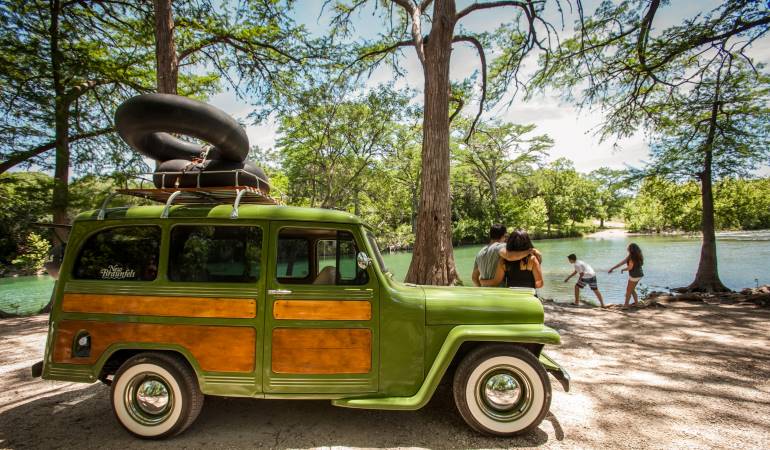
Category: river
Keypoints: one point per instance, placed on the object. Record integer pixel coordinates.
(670, 261)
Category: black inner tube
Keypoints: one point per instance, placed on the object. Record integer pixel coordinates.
(186, 174)
(144, 122)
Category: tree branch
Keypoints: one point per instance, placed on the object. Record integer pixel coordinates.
(24, 155)
(406, 4)
(235, 42)
(415, 14)
(482, 56)
(383, 50)
(200, 46)
(644, 35)
(480, 6)
(460, 104)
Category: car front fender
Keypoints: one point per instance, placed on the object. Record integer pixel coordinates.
(520, 333)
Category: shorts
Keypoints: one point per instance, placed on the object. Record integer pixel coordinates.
(635, 279)
(591, 282)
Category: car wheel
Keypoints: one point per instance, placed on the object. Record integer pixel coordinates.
(502, 390)
(155, 395)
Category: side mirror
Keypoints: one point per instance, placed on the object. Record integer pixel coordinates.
(363, 260)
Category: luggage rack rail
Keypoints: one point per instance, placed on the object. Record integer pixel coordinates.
(235, 195)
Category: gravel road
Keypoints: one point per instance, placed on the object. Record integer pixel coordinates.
(684, 376)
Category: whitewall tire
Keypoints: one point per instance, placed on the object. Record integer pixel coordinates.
(502, 390)
(155, 395)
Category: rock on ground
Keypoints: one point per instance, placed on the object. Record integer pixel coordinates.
(686, 376)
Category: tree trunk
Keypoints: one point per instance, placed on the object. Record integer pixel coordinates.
(493, 192)
(707, 277)
(415, 208)
(60, 199)
(433, 260)
(167, 63)
(601, 222)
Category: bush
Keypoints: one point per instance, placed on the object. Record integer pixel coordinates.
(33, 254)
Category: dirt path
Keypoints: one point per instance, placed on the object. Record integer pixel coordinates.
(690, 375)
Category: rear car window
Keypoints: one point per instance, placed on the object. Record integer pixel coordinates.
(121, 253)
(225, 254)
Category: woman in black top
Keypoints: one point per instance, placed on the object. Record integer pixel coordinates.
(525, 272)
(634, 262)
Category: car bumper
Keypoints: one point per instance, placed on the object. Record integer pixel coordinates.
(37, 369)
(556, 370)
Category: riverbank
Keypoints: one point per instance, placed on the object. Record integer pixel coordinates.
(759, 296)
(685, 376)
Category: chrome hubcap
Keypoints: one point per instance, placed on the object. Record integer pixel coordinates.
(502, 391)
(149, 399)
(152, 396)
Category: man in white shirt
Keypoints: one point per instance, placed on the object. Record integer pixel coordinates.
(586, 276)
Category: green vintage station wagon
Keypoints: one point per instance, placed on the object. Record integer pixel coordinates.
(168, 303)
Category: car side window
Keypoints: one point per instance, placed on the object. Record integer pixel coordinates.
(225, 254)
(120, 253)
(293, 260)
(318, 256)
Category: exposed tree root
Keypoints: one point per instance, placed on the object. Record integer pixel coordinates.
(759, 296)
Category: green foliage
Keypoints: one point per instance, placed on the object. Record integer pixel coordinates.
(567, 196)
(33, 254)
(331, 144)
(500, 155)
(26, 199)
(743, 204)
(89, 192)
(97, 69)
(662, 205)
(612, 192)
(107, 54)
(722, 122)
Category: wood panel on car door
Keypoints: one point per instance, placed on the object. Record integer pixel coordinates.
(319, 338)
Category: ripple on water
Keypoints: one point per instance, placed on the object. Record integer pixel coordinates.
(25, 295)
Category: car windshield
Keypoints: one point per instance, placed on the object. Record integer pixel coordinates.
(377, 254)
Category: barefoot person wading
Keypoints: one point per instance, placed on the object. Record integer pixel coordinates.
(634, 262)
(586, 276)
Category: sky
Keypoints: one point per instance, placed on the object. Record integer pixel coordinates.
(572, 129)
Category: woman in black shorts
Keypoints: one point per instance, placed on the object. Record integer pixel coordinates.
(634, 262)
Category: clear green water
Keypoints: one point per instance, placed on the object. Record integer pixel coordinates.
(670, 261)
(25, 295)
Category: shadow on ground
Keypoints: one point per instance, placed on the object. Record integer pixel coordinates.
(83, 418)
(686, 376)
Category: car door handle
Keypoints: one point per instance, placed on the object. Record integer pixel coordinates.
(279, 292)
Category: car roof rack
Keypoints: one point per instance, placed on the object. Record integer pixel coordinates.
(220, 195)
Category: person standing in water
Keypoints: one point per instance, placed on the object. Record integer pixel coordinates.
(634, 262)
(586, 276)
